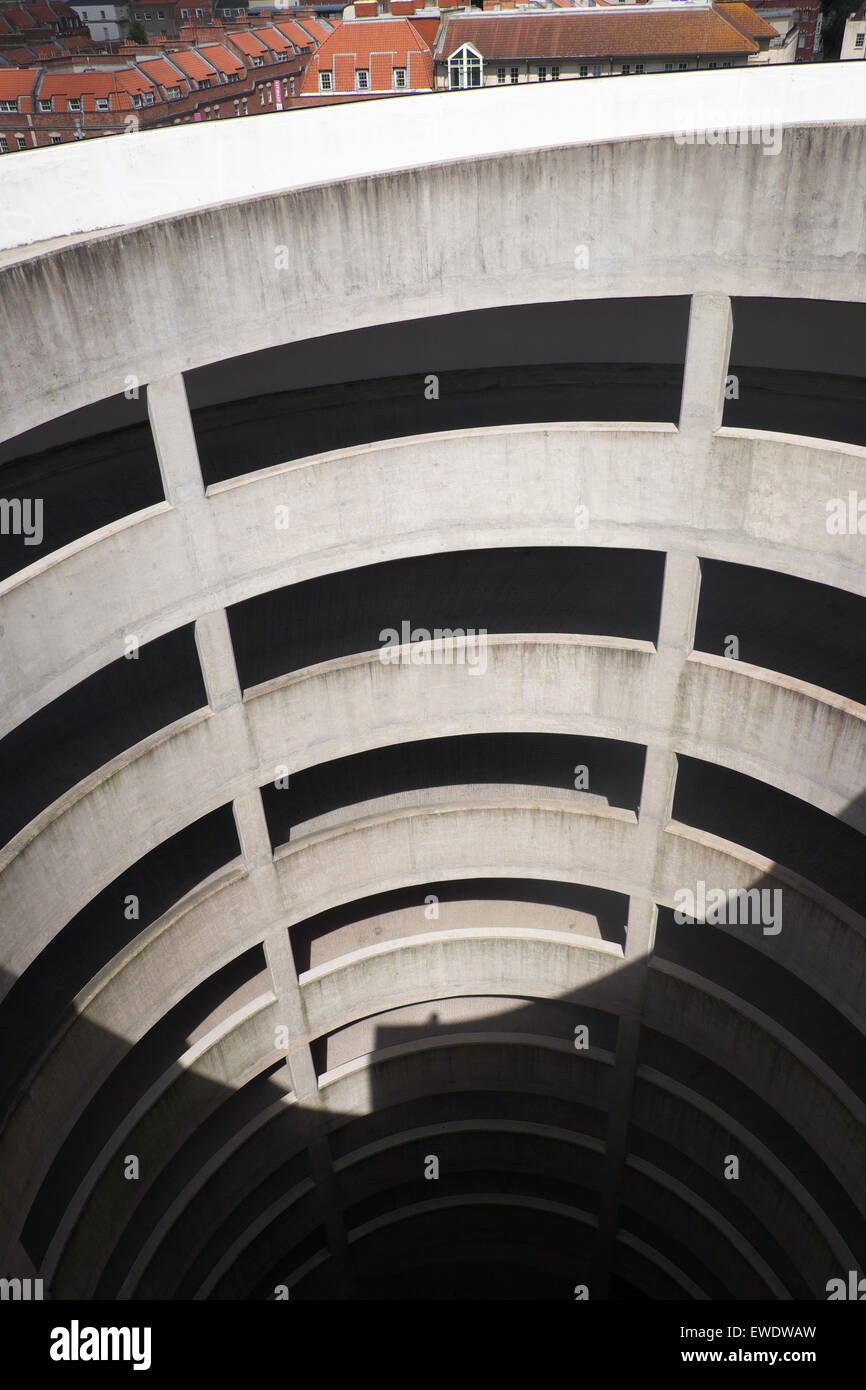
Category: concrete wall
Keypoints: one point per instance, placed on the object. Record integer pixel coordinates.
(684, 1034)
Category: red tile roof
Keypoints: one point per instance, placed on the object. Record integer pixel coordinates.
(222, 60)
(161, 71)
(23, 57)
(294, 32)
(247, 42)
(747, 20)
(379, 46)
(19, 19)
(88, 86)
(274, 39)
(42, 13)
(16, 82)
(317, 31)
(595, 34)
(192, 64)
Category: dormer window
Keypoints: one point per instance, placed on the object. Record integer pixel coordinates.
(465, 68)
(362, 79)
(325, 82)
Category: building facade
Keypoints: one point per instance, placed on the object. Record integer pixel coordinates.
(510, 48)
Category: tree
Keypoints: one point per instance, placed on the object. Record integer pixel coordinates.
(136, 33)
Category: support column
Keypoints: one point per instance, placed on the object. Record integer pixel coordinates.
(174, 438)
(706, 367)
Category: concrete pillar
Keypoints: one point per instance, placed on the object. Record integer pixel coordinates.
(707, 352)
(676, 635)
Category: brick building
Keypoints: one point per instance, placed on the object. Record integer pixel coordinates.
(241, 73)
(498, 49)
(370, 57)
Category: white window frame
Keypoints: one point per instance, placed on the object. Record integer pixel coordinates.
(399, 79)
(9, 105)
(73, 104)
(465, 63)
(362, 79)
(102, 104)
(326, 80)
(46, 104)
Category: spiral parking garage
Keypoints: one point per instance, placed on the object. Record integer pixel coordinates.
(283, 921)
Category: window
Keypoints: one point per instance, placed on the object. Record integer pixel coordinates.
(74, 104)
(554, 74)
(859, 40)
(4, 145)
(515, 74)
(324, 82)
(22, 141)
(726, 65)
(669, 67)
(184, 14)
(542, 74)
(281, 57)
(683, 67)
(102, 14)
(237, 108)
(172, 93)
(147, 15)
(246, 107)
(9, 105)
(149, 98)
(626, 69)
(399, 77)
(500, 75)
(712, 65)
(45, 103)
(258, 60)
(584, 70)
(464, 68)
(204, 82)
(638, 67)
(103, 103)
(362, 80)
(596, 69)
(55, 139)
(199, 14)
